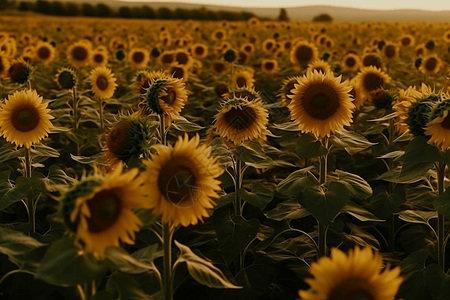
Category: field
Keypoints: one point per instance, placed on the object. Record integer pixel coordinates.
(146, 159)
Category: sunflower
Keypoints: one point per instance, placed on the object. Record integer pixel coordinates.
(406, 98)
(167, 57)
(244, 92)
(371, 59)
(98, 209)
(138, 58)
(166, 95)
(421, 50)
(242, 58)
(144, 78)
(240, 120)
(219, 35)
(431, 64)
(371, 78)
(243, 78)
(199, 50)
(24, 119)
(79, 54)
(320, 65)
(19, 71)
(178, 71)
(219, 68)
(407, 40)
(358, 98)
(183, 58)
(418, 112)
(66, 78)
(321, 103)
(354, 276)
(446, 36)
(183, 182)
(103, 82)
(438, 128)
(269, 66)
(248, 48)
(390, 51)
(268, 45)
(45, 52)
(351, 62)
(99, 58)
(286, 89)
(4, 66)
(303, 53)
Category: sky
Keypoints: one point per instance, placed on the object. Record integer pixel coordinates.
(378, 4)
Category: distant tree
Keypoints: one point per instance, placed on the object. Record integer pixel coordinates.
(182, 14)
(88, 10)
(211, 15)
(136, 12)
(103, 10)
(227, 15)
(323, 18)
(4, 4)
(58, 8)
(148, 12)
(164, 13)
(283, 16)
(25, 6)
(245, 15)
(124, 12)
(42, 7)
(72, 9)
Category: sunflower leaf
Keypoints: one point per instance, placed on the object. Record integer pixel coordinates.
(183, 125)
(442, 203)
(384, 204)
(127, 263)
(419, 151)
(203, 270)
(260, 195)
(409, 173)
(360, 213)
(350, 141)
(309, 146)
(356, 186)
(296, 182)
(287, 210)
(17, 192)
(9, 151)
(288, 126)
(417, 216)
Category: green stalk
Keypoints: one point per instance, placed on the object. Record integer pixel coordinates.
(391, 220)
(441, 218)
(75, 114)
(167, 244)
(322, 230)
(30, 200)
(238, 206)
(162, 129)
(100, 107)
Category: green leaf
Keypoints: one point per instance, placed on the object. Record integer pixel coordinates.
(146, 216)
(287, 210)
(297, 182)
(384, 204)
(360, 237)
(417, 216)
(67, 265)
(5, 184)
(126, 287)
(445, 289)
(203, 271)
(356, 186)
(126, 263)
(385, 118)
(16, 245)
(41, 152)
(350, 141)
(87, 159)
(325, 205)
(17, 192)
(234, 234)
(253, 155)
(419, 151)
(409, 173)
(433, 277)
(288, 126)
(182, 124)
(103, 295)
(360, 213)
(442, 203)
(309, 146)
(413, 268)
(9, 151)
(56, 178)
(260, 195)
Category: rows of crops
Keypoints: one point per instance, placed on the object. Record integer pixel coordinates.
(223, 160)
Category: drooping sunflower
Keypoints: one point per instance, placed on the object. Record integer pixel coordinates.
(19, 71)
(354, 276)
(79, 54)
(183, 182)
(139, 58)
(371, 78)
(269, 66)
(350, 62)
(103, 82)
(303, 53)
(199, 50)
(406, 98)
(286, 89)
(320, 65)
(240, 120)
(431, 64)
(24, 119)
(45, 52)
(98, 209)
(66, 78)
(243, 78)
(371, 59)
(4, 66)
(438, 127)
(321, 103)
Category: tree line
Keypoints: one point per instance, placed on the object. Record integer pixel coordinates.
(143, 12)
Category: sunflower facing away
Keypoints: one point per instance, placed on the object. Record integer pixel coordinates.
(356, 276)
(438, 128)
(98, 209)
(103, 82)
(406, 98)
(24, 119)
(321, 103)
(183, 181)
(240, 120)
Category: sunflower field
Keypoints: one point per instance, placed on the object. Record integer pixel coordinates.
(223, 160)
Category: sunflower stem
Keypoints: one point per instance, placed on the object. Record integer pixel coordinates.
(441, 218)
(30, 200)
(167, 244)
(391, 220)
(238, 205)
(75, 115)
(162, 129)
(100, 107)
(322, 229)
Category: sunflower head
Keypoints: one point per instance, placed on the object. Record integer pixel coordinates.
(4, 66)
(371, 78)
(303, 53)
(381, 98)
(438, 127)
(419, 113)
(183, 182)
(371, 59)
(286, 90)
(103, 82)
(79, 54)
(120, 54)
(430, 65)
(19, 71)
(24, 119)
(66, 79)
(230, 55)
(98, 209)
(45, 52)
(243, 78)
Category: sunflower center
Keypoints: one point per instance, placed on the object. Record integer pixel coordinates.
(219, 35)
(167, 58)
(102, 83)
(178, 72)
(98, 58)
(372, 60)
(240, 118)
(44, 53)
(2, 67)
(105, 208)
(372, 82)
(118, 137)
(182, 58)
(320, 101)
(199, 50)
(138, 57)
(177, 182)
(406, 41)
(303, 54)
(241, 82)
(79, 53)
(390, 51)
(219, 67)
(350, 62)
(446, 123)
(269, 45)
(352, 289)
(431, 63)
(25, 119)
(269, 65)
(170, 97)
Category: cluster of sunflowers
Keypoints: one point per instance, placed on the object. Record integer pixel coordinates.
(264, 151)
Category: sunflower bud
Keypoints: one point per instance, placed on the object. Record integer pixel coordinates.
(381, 44)
(430, 45)
(381, 98)
(19, 71)
(120, 55)
(152, 95)
(66, 79)
(418, 62)
(230, 55)
(155, 52)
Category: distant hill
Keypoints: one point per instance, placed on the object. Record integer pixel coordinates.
(299, 13)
